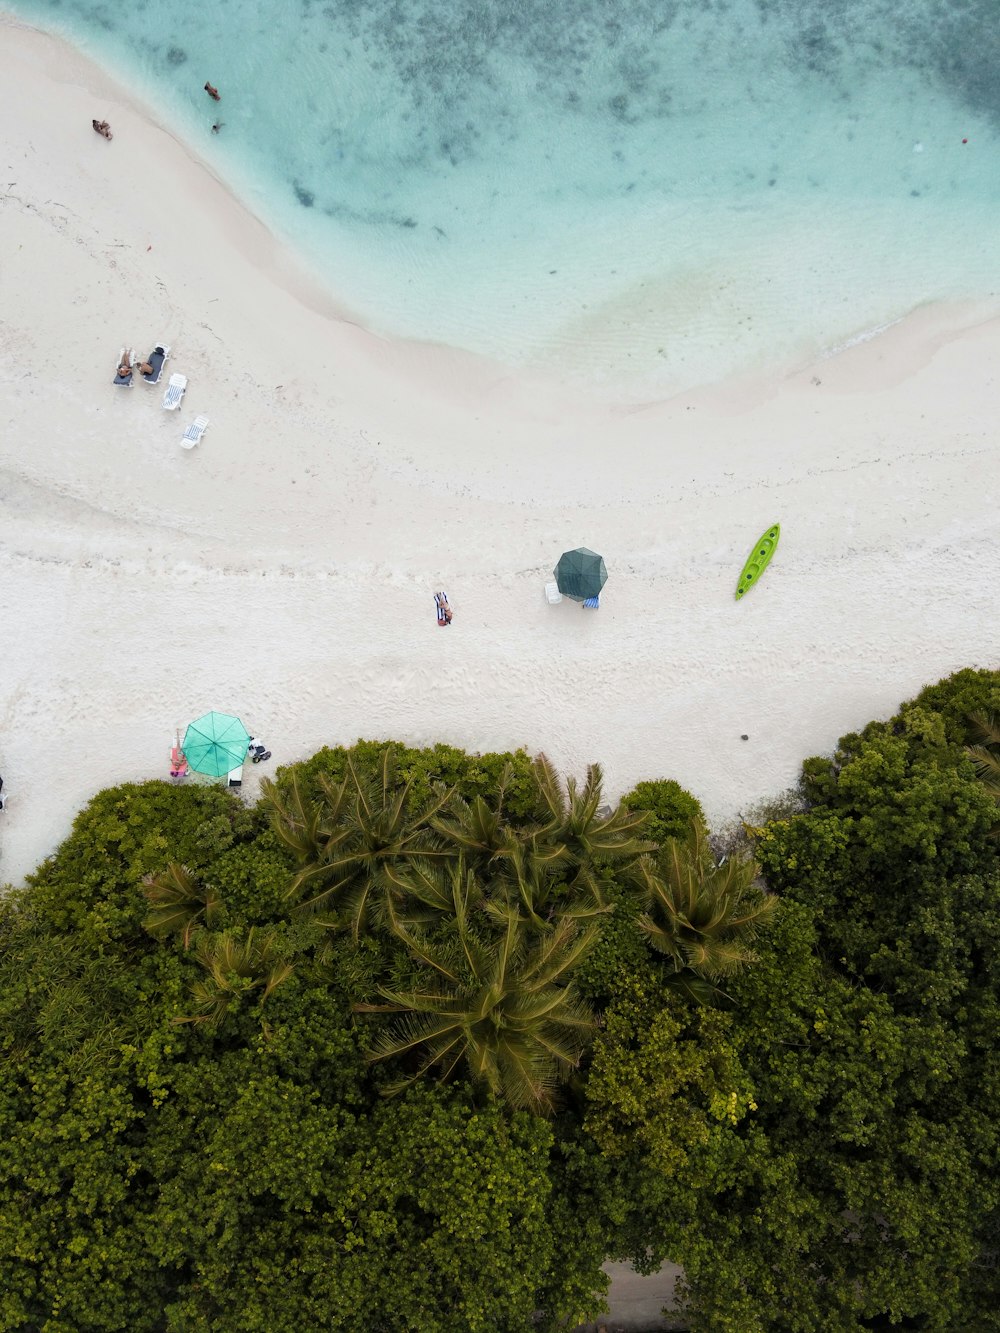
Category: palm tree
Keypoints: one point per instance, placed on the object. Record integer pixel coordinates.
(544, 897)
(498, 998)
(235, 967)
(178, 902)
(576, 837)
(702, 916)
(481, 834)
(356, 841)
(985, 754)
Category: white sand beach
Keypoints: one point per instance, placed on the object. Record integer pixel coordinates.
(283, 570)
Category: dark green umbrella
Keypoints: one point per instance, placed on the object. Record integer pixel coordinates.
(215, 744)
(581, 574)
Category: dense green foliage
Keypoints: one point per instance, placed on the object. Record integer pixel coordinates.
(864, 1189)
(671, 809)
(424, 1037)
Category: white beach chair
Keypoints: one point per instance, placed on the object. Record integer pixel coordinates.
(194, 432)
(175, 392)
(552, 593)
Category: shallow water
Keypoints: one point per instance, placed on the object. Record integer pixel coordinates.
(652, 194)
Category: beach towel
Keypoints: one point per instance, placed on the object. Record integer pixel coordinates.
(443, 609)
(593, 603)
(124, 381)
(156, 359)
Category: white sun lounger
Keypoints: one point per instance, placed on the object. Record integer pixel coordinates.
(194, 432)
(552, 594)
(175, 392)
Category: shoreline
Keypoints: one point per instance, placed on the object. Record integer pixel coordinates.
(283, 569)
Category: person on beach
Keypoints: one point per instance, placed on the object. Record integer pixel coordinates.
(213, 93)
(125, 369)
(145, 368)
(102, 128)
(217, 126)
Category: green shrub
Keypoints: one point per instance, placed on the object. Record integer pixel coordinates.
(620, 953)
(253, 880)
(93, 883)
(470, 774)
(671, 809)
(958, 695)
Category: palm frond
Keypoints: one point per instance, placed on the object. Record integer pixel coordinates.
(703, 917)
(180, 903)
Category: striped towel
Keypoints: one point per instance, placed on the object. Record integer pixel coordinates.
(593, 603)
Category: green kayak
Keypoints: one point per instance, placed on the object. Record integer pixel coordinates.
(759, 559)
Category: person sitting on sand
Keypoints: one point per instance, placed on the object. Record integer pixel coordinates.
(213, 93)
(102, 128)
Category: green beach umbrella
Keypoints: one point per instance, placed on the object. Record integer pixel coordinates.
(580, 574)
(215, 744)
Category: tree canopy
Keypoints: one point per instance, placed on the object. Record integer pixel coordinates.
(421, 1039)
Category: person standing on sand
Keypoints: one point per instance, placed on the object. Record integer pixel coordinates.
(213, 93)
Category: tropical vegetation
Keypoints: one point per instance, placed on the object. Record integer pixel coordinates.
(424, 1037)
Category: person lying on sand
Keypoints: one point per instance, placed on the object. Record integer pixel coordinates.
(102, 128)
(213, 93)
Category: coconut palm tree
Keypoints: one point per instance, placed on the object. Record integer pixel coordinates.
(498, 999)
(235, 967)
(985, 754)
(479, 832)
(355, 842)
(575, 836)
(545, 897)
(179, 902)
(704, 917)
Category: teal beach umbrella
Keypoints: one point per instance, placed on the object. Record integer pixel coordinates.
(580, 574)
(215, 744)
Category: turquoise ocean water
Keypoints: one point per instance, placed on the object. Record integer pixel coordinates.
(652, 194)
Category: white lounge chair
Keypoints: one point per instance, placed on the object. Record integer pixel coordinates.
(552, 593)
(194, 432)
(175, 392)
